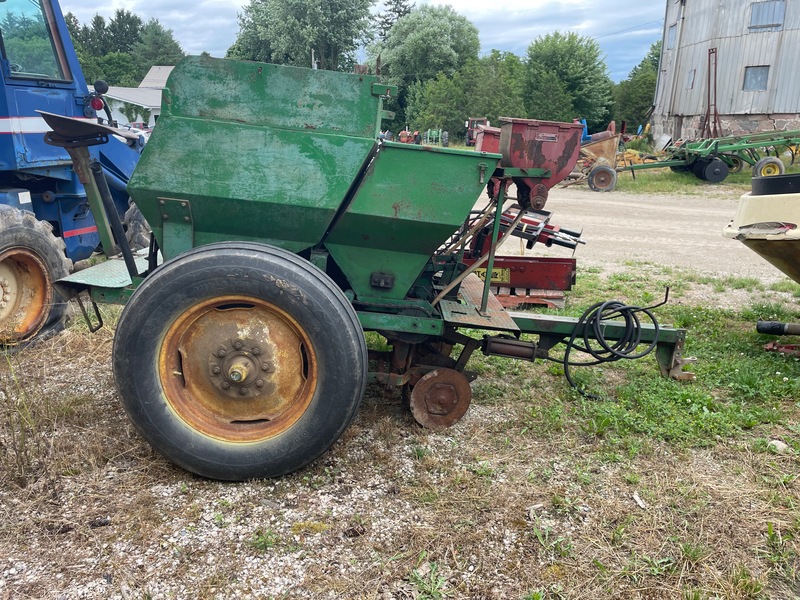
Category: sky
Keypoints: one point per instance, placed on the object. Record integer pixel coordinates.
(625, 29)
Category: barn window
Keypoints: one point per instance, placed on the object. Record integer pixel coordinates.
(767, 16)
(755, 78)
(671, 35)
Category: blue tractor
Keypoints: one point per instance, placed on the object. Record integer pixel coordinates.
(46, 223)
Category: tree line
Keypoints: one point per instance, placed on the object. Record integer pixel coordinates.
(431, 52)
(121, 51)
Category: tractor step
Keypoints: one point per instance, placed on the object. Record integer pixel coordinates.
(111, 273)
(467, 313)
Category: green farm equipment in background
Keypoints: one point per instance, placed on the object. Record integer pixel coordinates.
(282, 230)
(710, 159)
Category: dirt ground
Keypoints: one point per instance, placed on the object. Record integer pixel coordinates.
(510, 503)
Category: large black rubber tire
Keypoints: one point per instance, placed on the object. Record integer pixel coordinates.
(31, 259)
(602, 179)
(776, 184)
(735, 164)
(240, 283)
(769, 166)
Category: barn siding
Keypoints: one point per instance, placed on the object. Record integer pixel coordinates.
(725, 25)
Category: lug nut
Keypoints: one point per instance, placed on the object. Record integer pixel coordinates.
(226, 385)
(216, 370)
(256, 350)
(259, 383)
(237, 345)
(242, 391)
(221, 352)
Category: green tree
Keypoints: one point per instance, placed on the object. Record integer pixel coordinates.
(394, 10)
(488, 87)
(116, 68)
(437, 103)
(567, 77)
(427, 41)
(296, 32)
(548, 97)
(494, 86)
(73, 26)
(123, 50)
(157, 46)
(124, 31)
(251, 42)
(633, 97)
(95, 38)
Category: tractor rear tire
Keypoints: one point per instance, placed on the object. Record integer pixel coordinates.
(769, 166)
(31, 259)
(602, 179)
(239, 360)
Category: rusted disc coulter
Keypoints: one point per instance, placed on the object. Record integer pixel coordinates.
(440, 398)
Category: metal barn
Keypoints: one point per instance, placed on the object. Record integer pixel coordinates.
(728, 67)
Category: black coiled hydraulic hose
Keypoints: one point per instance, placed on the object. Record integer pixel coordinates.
(591, 326)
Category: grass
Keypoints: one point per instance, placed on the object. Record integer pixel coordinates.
(532, 495)
(666, 181)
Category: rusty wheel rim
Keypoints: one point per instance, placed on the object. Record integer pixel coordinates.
(25, 294)
(602, 180)
(238, 369)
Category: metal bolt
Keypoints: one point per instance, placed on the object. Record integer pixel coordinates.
(161, 202)
(259, 383)
(266, 366)
(216, 370)
(186, 219)
(238, 371)
(225, 385)
(256, 350)
(242, 391)
(165, 216)
(6, 296)
(221, 352)
(237, 344)
(184, 204)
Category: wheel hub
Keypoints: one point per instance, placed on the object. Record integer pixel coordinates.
(25, 294)
(237, 368)
(5, 292)
(241, 368)
(440, 398)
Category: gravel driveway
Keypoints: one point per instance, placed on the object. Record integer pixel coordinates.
(679, 230)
